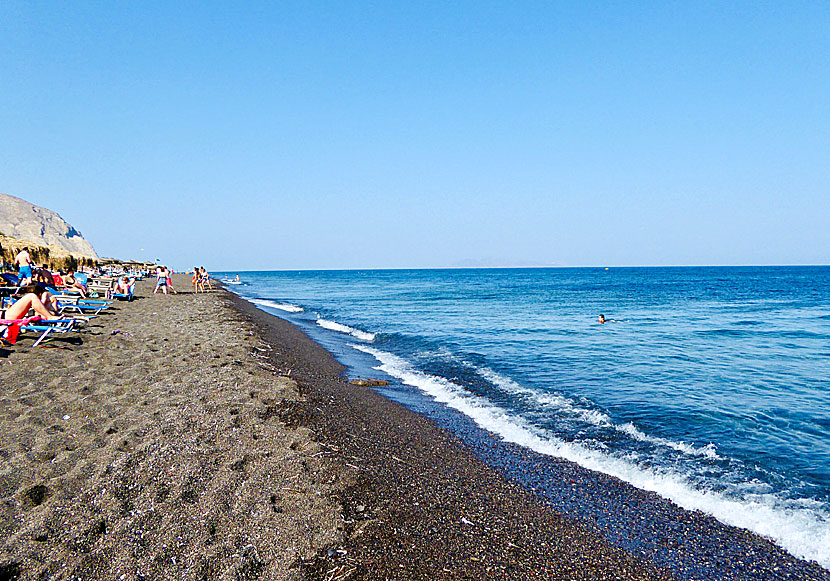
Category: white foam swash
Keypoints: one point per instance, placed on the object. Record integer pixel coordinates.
(799, 526)
(340, 328)
(288, 307)
(590, 416)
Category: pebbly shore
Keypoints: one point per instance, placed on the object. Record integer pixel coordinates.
(193, 436)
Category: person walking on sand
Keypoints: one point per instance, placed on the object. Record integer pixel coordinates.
(205, 279)
(197, 280)
(161, 280)
(24, 263)
(170, 280)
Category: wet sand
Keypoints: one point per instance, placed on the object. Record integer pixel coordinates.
(196, 437)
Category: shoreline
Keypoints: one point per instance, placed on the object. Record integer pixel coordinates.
(423, 505)
(690, 544)
(209, 439)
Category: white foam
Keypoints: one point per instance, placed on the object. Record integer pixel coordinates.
(803, 531)
(332, 326)
(707, 451)
(281, 306)
(593, 417)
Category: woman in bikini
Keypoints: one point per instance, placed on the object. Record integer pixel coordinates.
(72, 284)
(205, 279)
(161, 280)
(195, 279)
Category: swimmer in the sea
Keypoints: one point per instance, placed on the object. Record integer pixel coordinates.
(601, 320)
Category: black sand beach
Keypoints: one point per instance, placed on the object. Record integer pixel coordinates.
(196, 437)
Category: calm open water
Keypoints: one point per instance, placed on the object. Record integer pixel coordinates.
(711, 387)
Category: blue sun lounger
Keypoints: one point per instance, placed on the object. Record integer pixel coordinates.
(127, 295)
(47, 328)
(81, 308)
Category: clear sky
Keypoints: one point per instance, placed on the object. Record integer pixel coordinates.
(289, 135)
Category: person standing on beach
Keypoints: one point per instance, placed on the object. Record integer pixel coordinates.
(24, 263)
(196, 279)
(161, 280)
(170, 280)
(205, 279)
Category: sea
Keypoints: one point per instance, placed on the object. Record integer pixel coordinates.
(707, 385)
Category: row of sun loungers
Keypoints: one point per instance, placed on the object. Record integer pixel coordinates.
(75, 311)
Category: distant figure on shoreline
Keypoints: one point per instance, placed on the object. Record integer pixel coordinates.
(205, 278)
(197, 280)
(237, 278)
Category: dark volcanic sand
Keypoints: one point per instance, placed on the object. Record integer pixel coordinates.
(209, 440)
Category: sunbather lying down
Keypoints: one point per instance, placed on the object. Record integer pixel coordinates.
(29, 301)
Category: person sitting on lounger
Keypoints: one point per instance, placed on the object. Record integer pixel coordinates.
(123, 286)
(42, 293)
(72, 284)
(42, 274)
(28, 301)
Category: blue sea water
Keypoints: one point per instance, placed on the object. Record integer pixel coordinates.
(709, 386)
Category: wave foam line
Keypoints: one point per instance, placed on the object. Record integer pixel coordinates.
(803, 532)
(332, 326)
(593, 417)
(281, 306)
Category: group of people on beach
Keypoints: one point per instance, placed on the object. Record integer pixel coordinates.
(37, 294)
(28, 272)
(164, 279)
(200, 279)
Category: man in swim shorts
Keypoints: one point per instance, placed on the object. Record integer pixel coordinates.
(24, 262)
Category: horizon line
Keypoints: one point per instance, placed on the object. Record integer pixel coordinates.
(538, 267)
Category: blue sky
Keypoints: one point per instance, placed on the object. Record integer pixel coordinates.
(359, 135)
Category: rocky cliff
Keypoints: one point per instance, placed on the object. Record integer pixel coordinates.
(53, 257)
(20, 219)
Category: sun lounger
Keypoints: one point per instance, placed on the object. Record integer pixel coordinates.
(76, 299)
(49, 327)
(10, 278)
(127, 295)
(78, 307)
